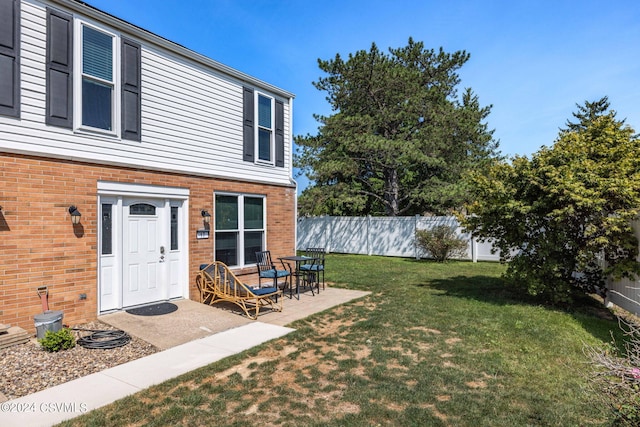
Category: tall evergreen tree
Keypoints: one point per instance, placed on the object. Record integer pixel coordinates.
(400, 136)
(587, 113)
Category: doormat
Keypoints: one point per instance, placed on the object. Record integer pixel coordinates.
(154, 309)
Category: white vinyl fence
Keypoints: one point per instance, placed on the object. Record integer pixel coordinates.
(387, 236)
(625, 293)
(395, 236)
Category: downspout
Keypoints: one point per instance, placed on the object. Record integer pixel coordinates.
(293, 181)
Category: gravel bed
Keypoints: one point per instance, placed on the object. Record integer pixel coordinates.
(27, 368)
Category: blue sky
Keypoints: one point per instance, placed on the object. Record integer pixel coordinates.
(532, 60)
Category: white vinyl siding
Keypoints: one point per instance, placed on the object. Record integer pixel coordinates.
(192, 116)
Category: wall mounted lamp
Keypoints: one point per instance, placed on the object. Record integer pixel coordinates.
(75, 215)
(206, 216)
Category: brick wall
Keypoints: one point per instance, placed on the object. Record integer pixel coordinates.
(40, 247)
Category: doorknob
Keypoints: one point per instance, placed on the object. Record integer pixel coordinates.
(162, 250)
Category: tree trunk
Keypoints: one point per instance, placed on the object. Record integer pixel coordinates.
(391, 192)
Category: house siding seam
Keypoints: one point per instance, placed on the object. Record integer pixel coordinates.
(40, 247)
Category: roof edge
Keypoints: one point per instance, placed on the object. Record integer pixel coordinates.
(140, 33)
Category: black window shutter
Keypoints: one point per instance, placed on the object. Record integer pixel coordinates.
(279, 133)
(10, 58)
(131, 82)
(247, 131)
(59, 111)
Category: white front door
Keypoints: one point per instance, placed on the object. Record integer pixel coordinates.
(142, 244)
(144, 253)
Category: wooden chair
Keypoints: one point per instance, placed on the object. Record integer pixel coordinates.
(267, 270)
(219, 282)
(315, 270)
(205, 287)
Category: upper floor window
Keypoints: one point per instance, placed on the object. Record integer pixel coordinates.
(265, 129)
(98, 91)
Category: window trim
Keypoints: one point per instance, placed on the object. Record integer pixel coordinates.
(116, 108)
(272, 130)
(240, 231)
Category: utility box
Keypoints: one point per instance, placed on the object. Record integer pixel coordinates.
(50, 320)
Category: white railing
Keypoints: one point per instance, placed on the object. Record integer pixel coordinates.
(387, 236)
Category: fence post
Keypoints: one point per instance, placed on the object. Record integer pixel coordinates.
(327, 232)
(415, 234)
(474, 249)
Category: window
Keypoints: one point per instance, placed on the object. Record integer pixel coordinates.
(93, 78)
(265, 129)
(239, 228)
(98, 83)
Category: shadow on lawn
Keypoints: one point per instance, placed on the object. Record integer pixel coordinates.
(588, 311)
(494, 290)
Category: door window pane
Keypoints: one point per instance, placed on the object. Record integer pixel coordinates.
(142, 209)
(174, 228)
(107, 233)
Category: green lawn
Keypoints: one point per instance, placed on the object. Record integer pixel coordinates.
(433, 345)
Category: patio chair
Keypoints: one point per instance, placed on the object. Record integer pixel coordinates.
(205, 287)
(267, 270)
(227, 287)
(316, 268)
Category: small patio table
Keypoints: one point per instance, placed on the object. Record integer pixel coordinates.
(299, 260)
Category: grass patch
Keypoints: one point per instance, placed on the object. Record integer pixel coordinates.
(434, 344)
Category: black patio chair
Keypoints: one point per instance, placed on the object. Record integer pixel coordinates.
(316, 268)
(267, 270)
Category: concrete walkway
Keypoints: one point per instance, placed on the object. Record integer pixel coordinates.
(193, 336)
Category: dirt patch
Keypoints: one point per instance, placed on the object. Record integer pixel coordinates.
(476, 384)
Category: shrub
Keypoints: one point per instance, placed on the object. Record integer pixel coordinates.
(441, 242)
(616, 374)
(59, 340)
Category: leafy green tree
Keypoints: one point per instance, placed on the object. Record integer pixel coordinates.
(559, 215)
(399, 138)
